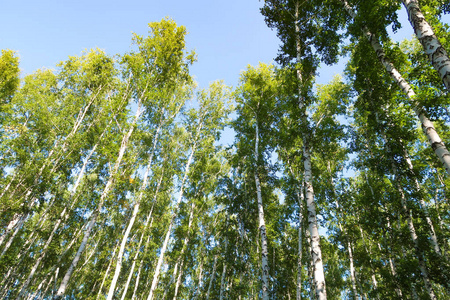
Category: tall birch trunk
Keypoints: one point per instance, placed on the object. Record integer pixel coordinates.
(414, 237)
(433, 237)
(147, 242)
(369, 252)
(107, 271)
(178, 280)
(212, 277)
(300, 199)
(222, 281)
(199, 280)
(310, 267)
(316, 252)
(433, 48)
(393, 268)
(169, 229)
(262, 225)
(105, 193)
(415, 240)
(183, 249)
(134, 215)
(62, 216)
(340, 214)
(434, 140)
(149, 217)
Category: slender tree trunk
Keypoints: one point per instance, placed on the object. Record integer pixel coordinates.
(222, 281)
(435, 141)
(111, 260)
(212, 277)
(262, 225)
(316, 253)
(312, 290)
(392, 265)
(18, 226)
(300, 199)
(369, 252)
(62, 216)
(414, 238)
(352, 271)
(172, 280)
(147, 242)
(133, 265)
(183, 249)
(433, 48)
(339, 215)
(199, 280)
(433, 237)
(169, 230)
(134, 215)
(105, 193)
(178, 281)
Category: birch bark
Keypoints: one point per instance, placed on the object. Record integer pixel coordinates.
(412, 231)
(134, 215)
(213, 274)
(316, 252)
(62, 216)
(433, 48)
(169, 229)
(262, 224)
(300, 199)
(183, 249)
(413, 234)
(433, 236)
(434, 140)
(105, 193)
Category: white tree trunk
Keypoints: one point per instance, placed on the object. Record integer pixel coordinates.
(316, 252)
(135, 212)
(222, 281)
(312, 291)
(183, 249)
(300, 199)
(352, 271)
(18, 225)
(433, 237)
(61, 217)
(178, 281)
(169, 229)
(414, 238)
(262, 225)
(392, 266)
(212, 277)
(369, 252)
(419, 253)
(149, 217)
(199, 281)
(107, 272)
(105, 193)
(435, 141)
(436, 53)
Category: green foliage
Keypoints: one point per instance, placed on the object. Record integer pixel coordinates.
(9, 76)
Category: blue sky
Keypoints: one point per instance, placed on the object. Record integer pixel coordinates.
(227, 35)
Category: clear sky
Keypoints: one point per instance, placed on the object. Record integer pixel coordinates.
(227, 35)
